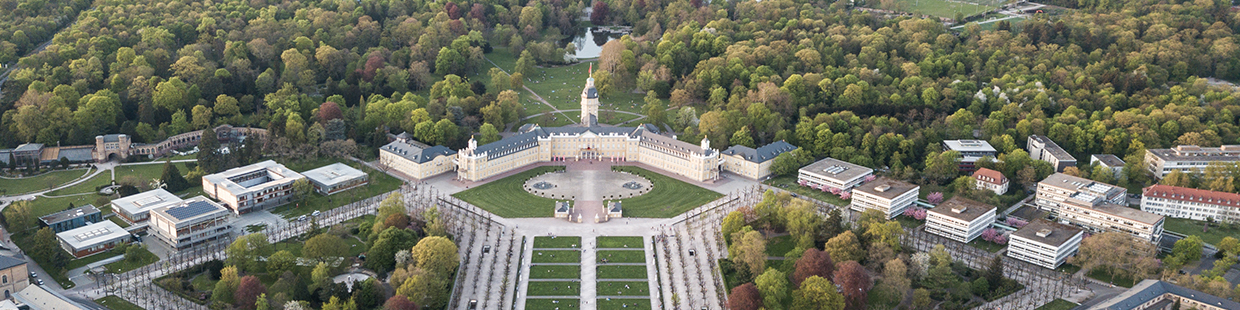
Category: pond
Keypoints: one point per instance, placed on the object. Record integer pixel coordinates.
(589, 41)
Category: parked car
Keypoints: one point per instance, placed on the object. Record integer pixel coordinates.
(315, 214)
(34, 275)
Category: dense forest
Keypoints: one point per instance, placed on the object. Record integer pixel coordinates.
(1111, 77)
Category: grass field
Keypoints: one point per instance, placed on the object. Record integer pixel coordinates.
(43, 181)
(789, 183)
(506, 198)
(986, 245)
(144, 257)
(550, 304)
(379, 183)
(621, 272)
(116, 303)
(943, 8)
(544, 242)
(622, 256)
(561, 86)
(557, 288)
(1191, 227)
(82, 262)
(668, 197)
(623, 304)
(566, 256)
(779, 246)
(555, 272)
(617, 288)
(620, 242)
(1102, 275)
(1058, 304)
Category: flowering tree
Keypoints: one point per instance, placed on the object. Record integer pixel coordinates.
(802, 182)
(835, 191)
(869, 178)
(1015, 222)
(1000, 240)
(989, 234)
(915, 212)
(935, 198)
(846, 195)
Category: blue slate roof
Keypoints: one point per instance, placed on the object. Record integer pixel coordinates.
(28, 147)
(1149, 289)
(8, 262)
(77, 154)
(417, 153)
(763, 153)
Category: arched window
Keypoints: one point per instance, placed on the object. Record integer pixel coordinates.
(6, 294)
(6, 279)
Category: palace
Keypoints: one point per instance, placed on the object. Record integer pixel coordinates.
(587, 141)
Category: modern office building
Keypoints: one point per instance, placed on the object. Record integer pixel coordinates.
(886, 195)
(135, 209)
(1061, 188)
(1108, 161)
(1045, 243)
(1191, 203)
(970, 151)
(14, 276)
(335, 178)
(1188, 158)
(72, 218)
(1096, 206)
(1042, 148)
(190, 222)
(254, 187)
(416, 160)
(960, 219)
(991, 180)
(833, 173)
(92, 239)
(754, 163)
(1162, 295)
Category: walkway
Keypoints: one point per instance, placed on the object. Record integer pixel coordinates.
(100, 168)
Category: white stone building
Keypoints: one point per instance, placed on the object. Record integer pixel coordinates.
(190, 222)
(1045, 243)
(1191, 203)
(960, 219)
(991, 180)
(833, 173)
(251, 188)
(886, 195)
(1188, 158)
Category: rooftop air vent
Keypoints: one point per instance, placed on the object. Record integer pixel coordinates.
(1043, 233)
(882, 188)
(959, 209)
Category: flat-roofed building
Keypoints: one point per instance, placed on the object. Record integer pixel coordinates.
(960, 219)
(415, 159)
(1188, 158)
(885, 195)
(251, 188)
(1045, 243)
(72, 218)
(1042, 148)
(335, 178)
(92, 239)
(35, 297)
(991, 180)
(1060, 188)
(1097, 206)
(135, 209)
(833, 173)
(190, 222)
(754, 163)
(970, 151)
(1112, 162)
(1191, 203)
(1162, 295)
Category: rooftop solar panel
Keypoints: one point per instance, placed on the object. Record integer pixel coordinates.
(191, 209)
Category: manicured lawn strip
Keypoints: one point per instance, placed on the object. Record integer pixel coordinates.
(555, 272)
(548, 288)
(1191, 228)
(621, 303)
(622, 256)
(621, 272)
(620, 242)
(668, 198)
(566, 256)
(550, 304)
(616, 288)
(779, 246)
(203, 282)
(986, 245)
(789, 183)
(545, 242)
(1068, 268)
(82, 262)
(1104, 276)
(946, 9)
(144, 257)
(118, 221)
(117, 303)
(144, 173)
(45, 181)
(909, 222)
(561, 86)
(380, 183)
(506, 197)
(1058, 304)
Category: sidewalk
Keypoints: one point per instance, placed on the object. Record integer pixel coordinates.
(78, 275)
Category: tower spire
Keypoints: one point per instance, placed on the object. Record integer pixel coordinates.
(591, 69)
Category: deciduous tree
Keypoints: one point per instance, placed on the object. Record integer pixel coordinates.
(854, 283)
(812, 263)
(817, 293)
(773, 285)
(745, 297)
(844, 247)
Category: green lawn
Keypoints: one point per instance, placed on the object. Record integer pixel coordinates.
(550, 304)
(668, 197)
(943, 8)
(379, 183)
(986, 245)
(622, 256)
(789, 183)
(1191, 227)
(909, 222)
(562, 256)
(1104, 276)
(620, 242)
(25, 241)
(87, 186)
(506, 197)
(779, 246)
(616, 288)
(624, 304)
(557, 288)
(82, 262)
(544, 242)
(561, 86)
(621, 272)
(1058, 304)
(45, 181)
(118, 221)
(555, 272)
(553, 119)
(203, 282)
(116, 303)
(144, 257)
(1068, 268)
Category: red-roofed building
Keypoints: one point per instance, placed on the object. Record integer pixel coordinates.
(1191, 203)
(991, 180)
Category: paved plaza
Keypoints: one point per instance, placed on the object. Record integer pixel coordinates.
(589, 182)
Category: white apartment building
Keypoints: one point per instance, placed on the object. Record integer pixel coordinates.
(1188, 158)
(1045, 243)
(1097, 206)
(1112, 162)
(833, 173)
(991, 180)
(190, 222)
(970, 151)
(886, 195)
(251, 188)
(1191, 203)
(960, 219)
(1042, 148)
(1060, 188)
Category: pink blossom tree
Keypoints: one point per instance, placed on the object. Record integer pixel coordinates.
(1015, 222)
(935, 198)
(802, 182)
(920, 215)
(869, 178)
(989, 234)
(835, 191)
(846, 195)
(1000, 240)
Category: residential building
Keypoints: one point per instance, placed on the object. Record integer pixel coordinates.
(886, 195)
(190, 222)
(416, 160)
(833, 173)
(1188, 158)
(754, 163)
(14, 276)
(1060, 188)
(1045, 243)
(72, 218)
(335, 178)
(1191, 203)
(92, 239)
(991, 180)
(1096, 206)
(135, 209)
(1162, 295)
(960, 219)
(1108, 161)
(251, 188)
(1042, 148)
(970, 151)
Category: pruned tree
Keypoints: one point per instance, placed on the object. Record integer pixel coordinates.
(813, 262)
(745, 297)
(854, 282)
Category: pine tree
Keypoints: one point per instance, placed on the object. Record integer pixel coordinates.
(208, 152)
(173, 179)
